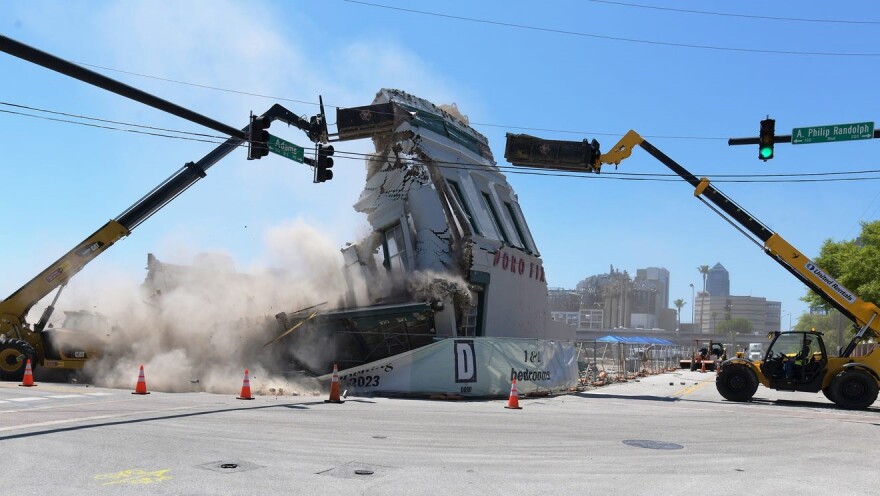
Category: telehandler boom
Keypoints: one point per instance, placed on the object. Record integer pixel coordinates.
(803, 363)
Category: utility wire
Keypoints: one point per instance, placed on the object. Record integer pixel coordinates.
(111, 128)
(625, 176)
(726, 14)
(107, 120)
(617, 38)
(622, 176)
(472, 123)
(197, 85)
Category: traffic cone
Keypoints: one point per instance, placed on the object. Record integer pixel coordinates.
(141, 387)
(246, 388)
(513, 401)
(334, 387)
(703, 367)
(28, 380)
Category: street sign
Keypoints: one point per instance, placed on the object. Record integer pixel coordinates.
(286, 149)
(837, 132)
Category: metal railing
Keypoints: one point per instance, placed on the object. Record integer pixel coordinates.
(600, 363)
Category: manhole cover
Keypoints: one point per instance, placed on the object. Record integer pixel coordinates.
(646, 443)
(357, 469)
(229, 466)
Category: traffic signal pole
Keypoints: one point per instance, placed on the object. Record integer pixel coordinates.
(315, 128)
(57, 64)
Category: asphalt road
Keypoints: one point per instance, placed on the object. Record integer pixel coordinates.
(666, 434)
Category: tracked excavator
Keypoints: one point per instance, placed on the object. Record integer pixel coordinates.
(795, 360)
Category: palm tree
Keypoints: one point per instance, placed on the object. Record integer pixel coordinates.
(678, 304)
(704, 271)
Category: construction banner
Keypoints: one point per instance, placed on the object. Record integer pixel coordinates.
(472, 367)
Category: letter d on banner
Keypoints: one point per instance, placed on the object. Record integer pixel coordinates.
(465, 361)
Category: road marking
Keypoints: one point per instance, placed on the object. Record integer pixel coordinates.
(29, 398)
(134, 476)
(96, 417)
(691, 389)
(99, 394)
(65, 396)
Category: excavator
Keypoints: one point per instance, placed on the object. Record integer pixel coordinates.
(795, 360)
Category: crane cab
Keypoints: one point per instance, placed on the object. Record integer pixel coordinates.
(796, 361)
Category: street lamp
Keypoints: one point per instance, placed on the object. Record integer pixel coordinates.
(693, 308)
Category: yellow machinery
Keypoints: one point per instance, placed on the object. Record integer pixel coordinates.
(795, 360)
(54, 348)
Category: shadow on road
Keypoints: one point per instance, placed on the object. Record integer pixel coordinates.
(296, 406)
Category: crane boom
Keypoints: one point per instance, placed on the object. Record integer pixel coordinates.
(531, 151)
(861, 312)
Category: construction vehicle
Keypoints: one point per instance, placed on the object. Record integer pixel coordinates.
(795, 360)
(705, 354)
(67, 349)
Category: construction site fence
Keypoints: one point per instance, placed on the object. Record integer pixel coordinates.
(601, 363)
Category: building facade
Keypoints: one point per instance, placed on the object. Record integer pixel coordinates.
(763, 315)
(718, 281)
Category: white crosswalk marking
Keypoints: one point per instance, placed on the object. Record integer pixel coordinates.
(29, 398)
(65, 396)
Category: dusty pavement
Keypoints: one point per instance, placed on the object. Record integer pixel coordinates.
(666, 434)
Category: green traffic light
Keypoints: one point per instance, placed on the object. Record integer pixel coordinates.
(766, 152)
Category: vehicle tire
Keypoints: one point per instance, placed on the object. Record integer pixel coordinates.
(736, 382)
(11, 368)
(828, 394)
(854, 389)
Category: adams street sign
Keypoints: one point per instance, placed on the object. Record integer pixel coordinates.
(286, 149)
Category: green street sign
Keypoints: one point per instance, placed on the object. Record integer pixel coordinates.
(837, 132)
(285, 149)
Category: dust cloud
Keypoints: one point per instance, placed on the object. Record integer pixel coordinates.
(197, 327)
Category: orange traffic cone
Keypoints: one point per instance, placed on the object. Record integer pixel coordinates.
(246, 387)
(141, 387)
(334, 387)
(703, 367)
(28, 380)
(513, 401)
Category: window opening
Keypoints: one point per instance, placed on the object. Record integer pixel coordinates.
(516, 226)
(496, 220)
(393, 249)
(459, 197)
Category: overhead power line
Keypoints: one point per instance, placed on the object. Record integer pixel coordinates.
(109, 128)
(728, 14)
(806, 177)
(617, 38)
(106, 120)
(472, 123)
(635, 176)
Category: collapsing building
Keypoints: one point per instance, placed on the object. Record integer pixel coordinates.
(450, 263)
(448, 293)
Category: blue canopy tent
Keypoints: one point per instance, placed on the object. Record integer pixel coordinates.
(634, 340)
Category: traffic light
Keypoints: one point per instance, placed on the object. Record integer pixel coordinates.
(322, 169)
(766, 139)
(592, 156)
(258, 137)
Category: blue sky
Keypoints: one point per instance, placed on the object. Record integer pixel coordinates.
(63, 181)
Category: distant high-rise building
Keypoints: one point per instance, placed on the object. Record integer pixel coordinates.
(641, 302)
(764, 315)
(657, 280)
(718, 281)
